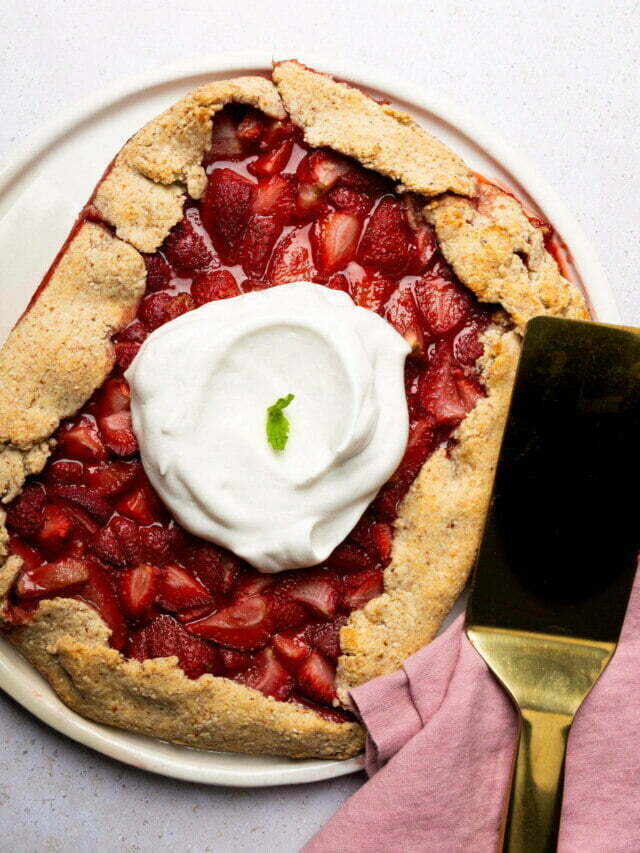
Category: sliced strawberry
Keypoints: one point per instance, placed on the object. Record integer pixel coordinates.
(323, 168)
(467, 347)
(225, 211)
(217, 569)
(372, 291)
(317, 173)
(87, 499)
(29, 556)
(226, 143)
(362, 533)
(275, 131)
(388, 499)
(159, 273)
(164, 637)
(258, 242)
(125, 353)
(350, 201)
(292, 647)
(190, 614)
(443, 304)
(251, 583)
(439, 389)
(114, 397)
(387, 240)
(243, 625)
(348, 557)
(106, 545)
(179, 304)
(127, 534)
(267, 675)
(235, 661)
(179, 590)
(383, 539)
(117, 433)
(141, 505)
(56, 528)
(250, 128)
(424, 237)
(318, 590)
(65, 472)
(155, 544)
(187, 246)
(273, 161)
(310, 201)
(316, 678)
(113, 477)
(135, 332)
(338, 282)
(361, 587)
(152, 311)
(469, 390)
(276, 196)
(334, 238)
(210, 286)
(26, 514)
(139, 589)
(325, 636)
(51, 577)
(84, 524)
(100, 591)
(81, 440)
(421, 442)
(291, 259)
(283, 612)
(402, 313)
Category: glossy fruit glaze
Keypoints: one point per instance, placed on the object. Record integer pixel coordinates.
(91, 527)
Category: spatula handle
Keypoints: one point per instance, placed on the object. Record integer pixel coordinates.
(533, 816)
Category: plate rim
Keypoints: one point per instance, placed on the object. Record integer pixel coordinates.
(114, 742)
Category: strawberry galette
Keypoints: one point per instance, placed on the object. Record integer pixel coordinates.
(249, 421)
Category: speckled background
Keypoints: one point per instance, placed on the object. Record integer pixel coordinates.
(560, 80)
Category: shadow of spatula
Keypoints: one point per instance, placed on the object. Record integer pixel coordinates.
(559, 550)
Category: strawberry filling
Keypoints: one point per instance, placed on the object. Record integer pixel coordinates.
(92, 528)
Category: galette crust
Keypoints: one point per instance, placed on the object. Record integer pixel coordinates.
(497, 252)
(440, 519)
(381, 138)
(60, 351)
(67, 643)
(144, 193)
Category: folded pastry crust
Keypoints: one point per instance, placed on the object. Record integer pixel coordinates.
(59, 353)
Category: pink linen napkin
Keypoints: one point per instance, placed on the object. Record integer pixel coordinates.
(440, 747)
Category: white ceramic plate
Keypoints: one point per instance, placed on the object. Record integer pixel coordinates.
(51, 176)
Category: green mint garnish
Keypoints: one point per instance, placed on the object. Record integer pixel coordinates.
(277, 423)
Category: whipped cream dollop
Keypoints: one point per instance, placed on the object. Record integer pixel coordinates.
(200, 389)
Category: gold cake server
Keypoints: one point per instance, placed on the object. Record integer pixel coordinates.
(559, 551)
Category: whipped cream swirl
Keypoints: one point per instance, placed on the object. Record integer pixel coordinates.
(200, 389)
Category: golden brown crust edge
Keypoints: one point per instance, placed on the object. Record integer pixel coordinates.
(144, 193)
(67, 644)
(381, 138)
(55, 357)
(97, 682)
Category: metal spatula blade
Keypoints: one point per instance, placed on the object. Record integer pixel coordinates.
(559, 551)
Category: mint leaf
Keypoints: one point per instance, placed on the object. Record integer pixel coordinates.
(278, 423)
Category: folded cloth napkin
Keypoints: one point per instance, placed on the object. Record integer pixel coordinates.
(441, 740)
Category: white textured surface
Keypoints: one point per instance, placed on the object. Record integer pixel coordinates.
(559, 79)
